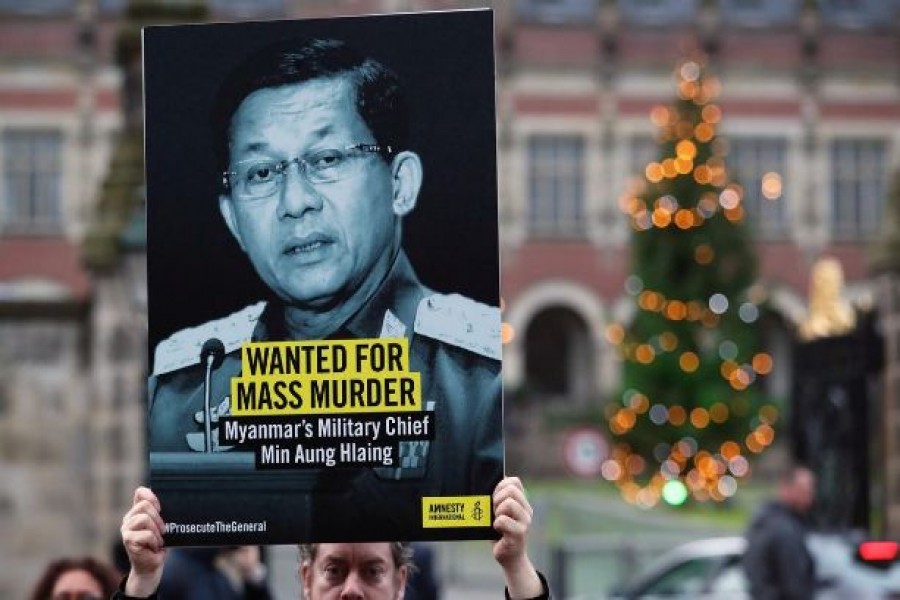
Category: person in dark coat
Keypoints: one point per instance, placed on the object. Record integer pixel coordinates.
(777, 562)
(229, 573)
(423, 581)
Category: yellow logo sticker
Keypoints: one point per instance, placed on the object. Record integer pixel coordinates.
(456, 511)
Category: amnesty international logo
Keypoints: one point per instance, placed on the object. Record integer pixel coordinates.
(456, 511)
(477, 512)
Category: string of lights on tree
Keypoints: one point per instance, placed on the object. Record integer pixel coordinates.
(690, 416)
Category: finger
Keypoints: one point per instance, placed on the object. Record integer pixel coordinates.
(139, 523)
(514, 495)
(510, 528)
(515, 511)
(145, 507)
(139, 540)
(146, 521)
(145, 493)
(501, 493)
(142, 527)
(142, 507)
(513, 481)
(142, 521)
(506, 483)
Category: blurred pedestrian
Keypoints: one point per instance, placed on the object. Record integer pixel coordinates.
(229, 573)
(423, 581)
(82, 578)
(778, 564)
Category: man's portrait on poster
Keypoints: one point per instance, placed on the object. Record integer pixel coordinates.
(317, 160)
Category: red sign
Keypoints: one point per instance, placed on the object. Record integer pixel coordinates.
(584, 450)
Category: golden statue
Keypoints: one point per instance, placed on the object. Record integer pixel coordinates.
(829, 314)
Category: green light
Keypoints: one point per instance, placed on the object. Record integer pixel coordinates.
(674, 492)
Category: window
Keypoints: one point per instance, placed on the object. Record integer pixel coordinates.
(759, 165)
(557, 11)
(556, 185)
(38, 7)
(117, 444)
(730, 581)
(30, 342)
(658, 12)
(643, 150)
(856, 13)
(559, 358)
(32, 181)
(121, 487)
(858, 186)
(685, 579)
(113, 6)
(247, 9)
(759, 13)
(118, 400)
(120, 344)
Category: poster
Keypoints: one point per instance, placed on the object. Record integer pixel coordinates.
(323, 275)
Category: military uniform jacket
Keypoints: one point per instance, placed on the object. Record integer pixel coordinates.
(454, 344)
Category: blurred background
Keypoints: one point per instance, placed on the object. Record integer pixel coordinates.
(700, 237)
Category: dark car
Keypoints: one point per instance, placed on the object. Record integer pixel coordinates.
(711, 568)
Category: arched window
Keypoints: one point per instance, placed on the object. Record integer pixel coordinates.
(559, 357)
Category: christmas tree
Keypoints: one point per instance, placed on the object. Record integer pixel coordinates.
(690, 413)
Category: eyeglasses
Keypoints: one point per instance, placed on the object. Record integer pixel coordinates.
(261, 178)
(76, 596)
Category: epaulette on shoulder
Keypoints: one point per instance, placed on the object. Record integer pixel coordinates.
(461, 322)
(182, 348)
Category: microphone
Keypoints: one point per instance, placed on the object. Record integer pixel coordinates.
(211, 356)
(215, 349)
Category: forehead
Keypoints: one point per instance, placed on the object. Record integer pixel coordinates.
(369, 552)
(332, 96)
(801, 479)
(76, 580)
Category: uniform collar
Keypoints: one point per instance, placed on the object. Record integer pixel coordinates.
(400, 292)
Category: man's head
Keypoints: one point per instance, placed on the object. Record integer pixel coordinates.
(797, 488)
(366, 570)
(316, 171)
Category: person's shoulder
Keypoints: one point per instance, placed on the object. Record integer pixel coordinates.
(763, 512)
(770, 519)
(182, 348)
(461, 322)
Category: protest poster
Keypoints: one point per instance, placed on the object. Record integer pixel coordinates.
(323, 276)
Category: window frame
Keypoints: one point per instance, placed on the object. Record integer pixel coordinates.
(857, 188)
(31, 180)
(769, 219)
(557, 185)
